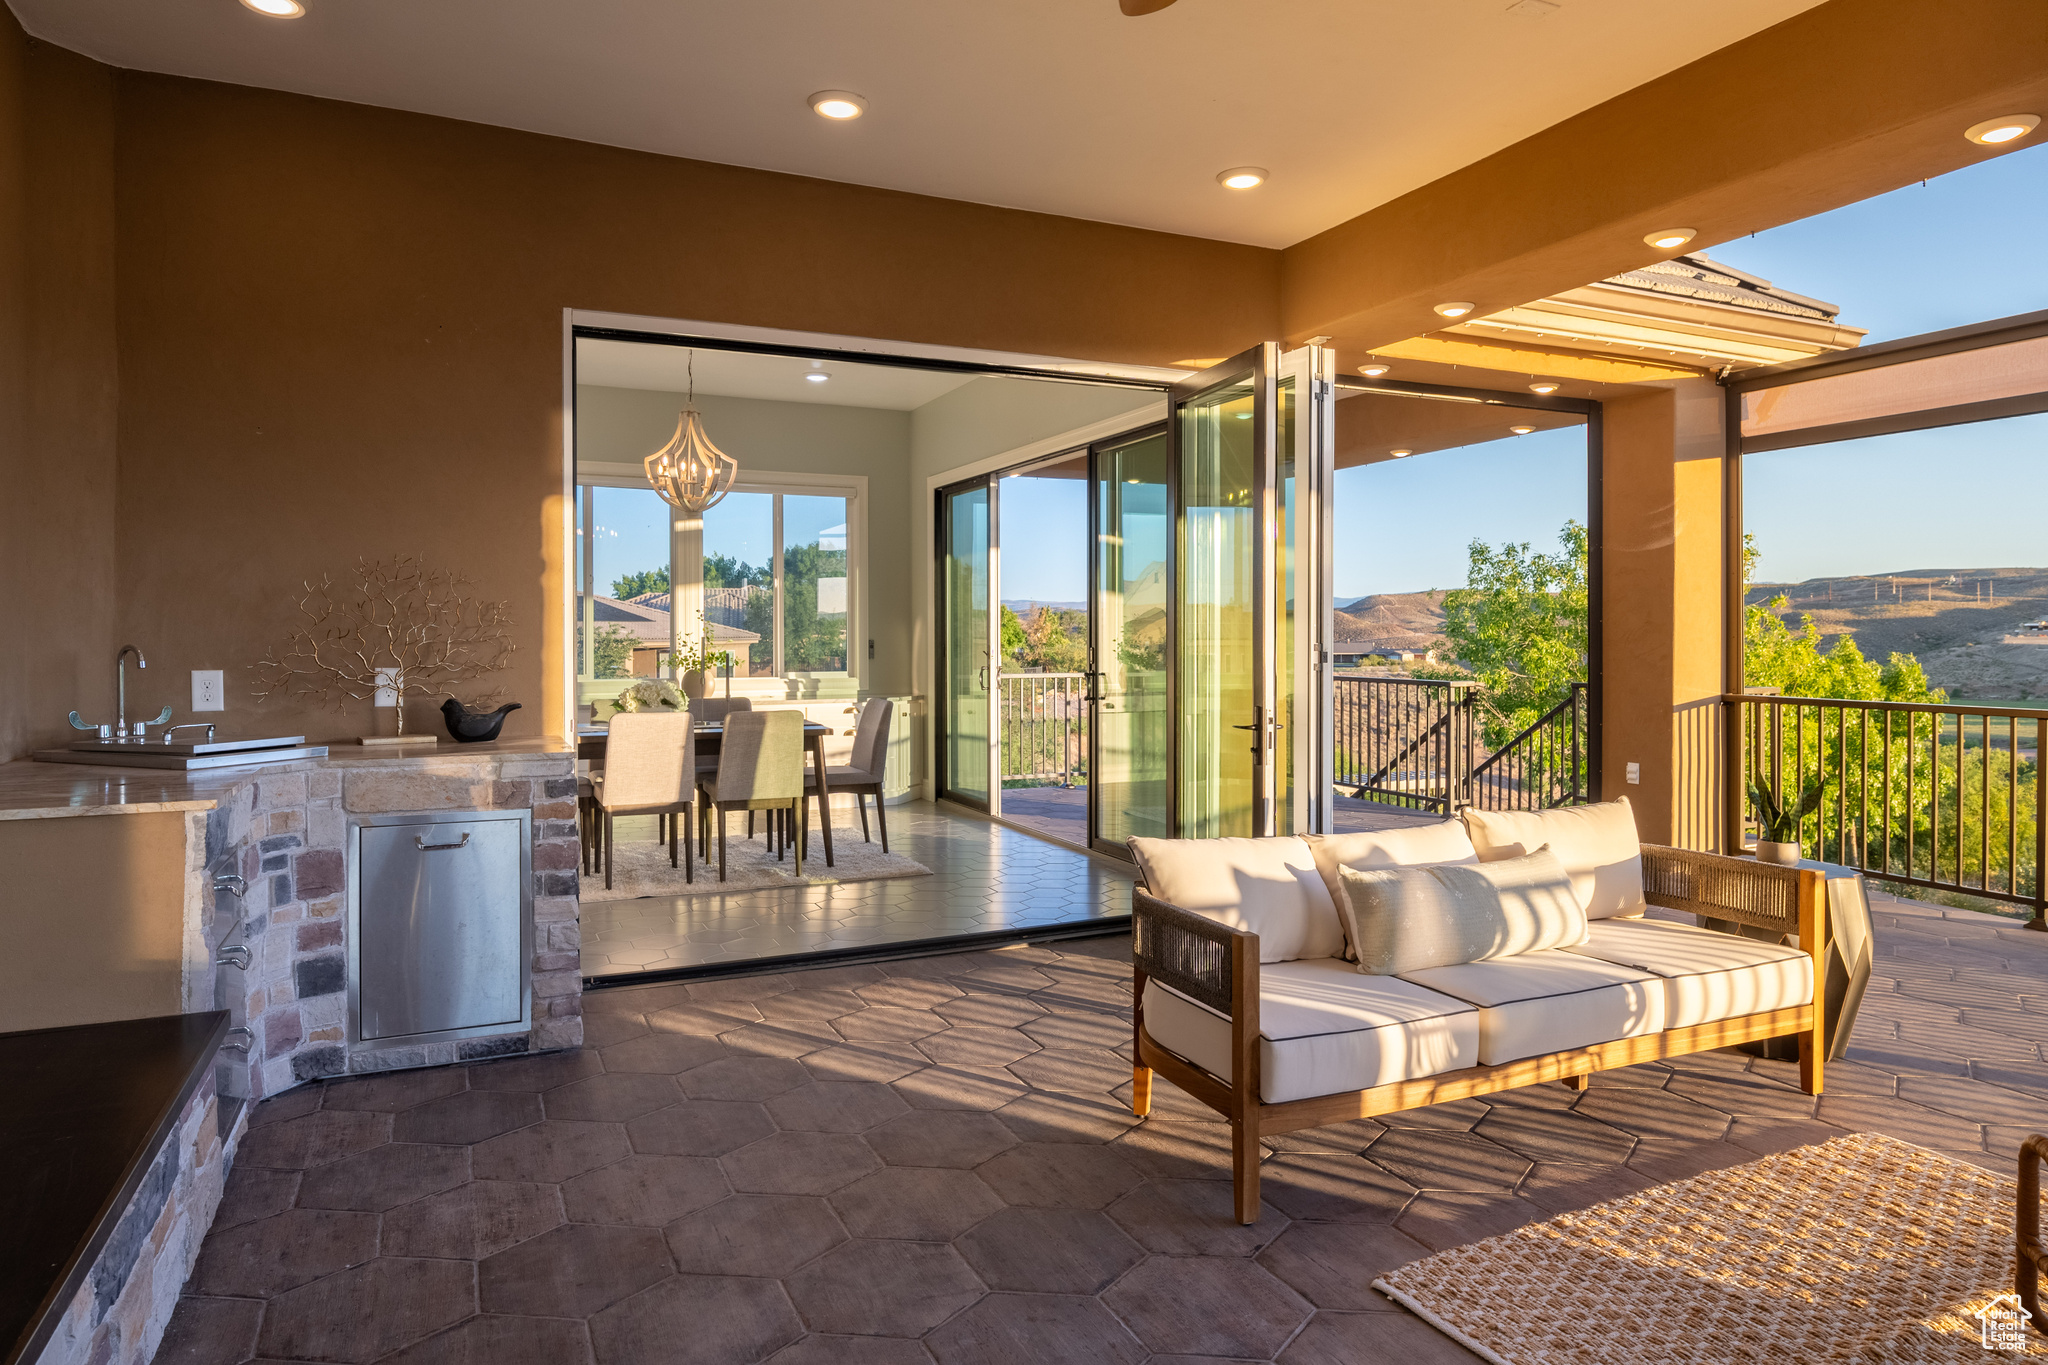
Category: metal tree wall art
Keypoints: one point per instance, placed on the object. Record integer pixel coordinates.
(397, 625)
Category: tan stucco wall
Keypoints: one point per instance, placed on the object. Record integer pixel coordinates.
(341, 335)
(58, 580)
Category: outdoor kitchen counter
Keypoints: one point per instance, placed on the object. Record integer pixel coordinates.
(229, 889)
(40, 791)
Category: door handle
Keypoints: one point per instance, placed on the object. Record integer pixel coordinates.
(424, 846)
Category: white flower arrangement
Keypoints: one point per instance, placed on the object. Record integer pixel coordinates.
(650, 694)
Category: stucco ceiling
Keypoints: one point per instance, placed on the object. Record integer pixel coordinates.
(1063, 106)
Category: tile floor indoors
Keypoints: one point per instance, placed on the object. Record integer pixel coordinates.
(985, 878)
(931, 1161)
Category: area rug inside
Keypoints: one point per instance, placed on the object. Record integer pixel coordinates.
(1862, 1249)
(640, 867)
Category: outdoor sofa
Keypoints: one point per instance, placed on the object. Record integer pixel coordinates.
(1245, 999)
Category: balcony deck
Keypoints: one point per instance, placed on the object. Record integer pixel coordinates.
(1062, 812)
(935, 1155)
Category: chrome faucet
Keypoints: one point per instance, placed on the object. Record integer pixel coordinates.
(121, 728)
(121, 687)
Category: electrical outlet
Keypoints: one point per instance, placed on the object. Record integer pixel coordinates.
(1635, 774)
(209, 691)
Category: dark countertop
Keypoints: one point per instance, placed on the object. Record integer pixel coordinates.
(87, 1109)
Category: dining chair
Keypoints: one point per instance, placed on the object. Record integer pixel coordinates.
(713, 711)
(650, 768)
(760, 768)
(862, 775)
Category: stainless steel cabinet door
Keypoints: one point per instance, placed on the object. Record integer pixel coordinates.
(440, 914)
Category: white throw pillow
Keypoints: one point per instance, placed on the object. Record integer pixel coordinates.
(1404, 919)
(1416, 846)
(1267, 886)
(1597, 844)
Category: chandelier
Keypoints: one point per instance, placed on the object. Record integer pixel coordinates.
(689, 472)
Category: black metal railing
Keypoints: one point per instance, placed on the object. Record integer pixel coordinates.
(1405, 741)
(1044, 719)
(1945, 796)
(1544, 766)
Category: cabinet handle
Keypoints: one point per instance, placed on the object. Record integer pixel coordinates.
(247, 1036)
(427, 847)
(236, 955)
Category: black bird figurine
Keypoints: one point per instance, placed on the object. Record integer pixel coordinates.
(474, 727)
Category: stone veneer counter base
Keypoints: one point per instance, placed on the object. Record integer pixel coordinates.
(114, 1167)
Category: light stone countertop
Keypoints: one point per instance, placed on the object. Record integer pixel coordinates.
(31, 790)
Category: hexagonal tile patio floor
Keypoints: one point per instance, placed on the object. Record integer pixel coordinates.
(931, 1161)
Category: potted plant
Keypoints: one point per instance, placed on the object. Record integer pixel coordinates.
(693, 664)
(1778, 822)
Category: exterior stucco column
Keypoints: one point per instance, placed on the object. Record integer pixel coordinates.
(1662, 666)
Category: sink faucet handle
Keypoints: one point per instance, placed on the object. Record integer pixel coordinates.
(205, 725)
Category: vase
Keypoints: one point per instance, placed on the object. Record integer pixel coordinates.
(693, 683)
(1781, 854)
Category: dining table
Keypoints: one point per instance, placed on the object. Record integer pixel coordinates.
(590, 741)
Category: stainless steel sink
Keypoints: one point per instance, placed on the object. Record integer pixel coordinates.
(219, 753)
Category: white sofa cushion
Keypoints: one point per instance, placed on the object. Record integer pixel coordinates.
(1418, 845)
(1267, 886)
(1596, 843)
(1398, 919)
(1324, 1030)
(1550, 1001)
(1707, 976)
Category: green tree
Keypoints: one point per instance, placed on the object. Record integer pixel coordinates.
(1013, 637)
(1518, 627)
(611, 650)
(724, 571)
(812, 641)
(643, 581)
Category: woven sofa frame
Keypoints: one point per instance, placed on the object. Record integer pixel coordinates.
(1219, 967)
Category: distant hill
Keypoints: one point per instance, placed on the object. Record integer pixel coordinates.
(1962, 624)
(1391, 620)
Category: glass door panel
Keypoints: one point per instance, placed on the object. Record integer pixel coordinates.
(1303, 606)
(1131, 736)
(1221, 426)
(965, 592)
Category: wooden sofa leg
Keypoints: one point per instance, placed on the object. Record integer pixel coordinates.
(1244, 1169)
(1141, 1090)
(1578, 1082)
(1810, 1066)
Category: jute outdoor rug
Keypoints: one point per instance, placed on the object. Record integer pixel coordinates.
(640, 868)
(1863, 1249)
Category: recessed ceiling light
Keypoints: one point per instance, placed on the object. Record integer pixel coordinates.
(1400, 452)
(1545, 387)
(1991, 132)
(1521, 430)
(1244, 417)
(277, 9)
(832, 104)
(1670, 239)
(1455, 310)
(1374, 370)
(1242, 178)
(817, 376)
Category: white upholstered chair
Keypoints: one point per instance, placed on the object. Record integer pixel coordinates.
(650, 768)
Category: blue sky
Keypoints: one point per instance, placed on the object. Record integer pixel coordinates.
(1044, 535)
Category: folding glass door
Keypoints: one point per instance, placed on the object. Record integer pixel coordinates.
(1250, 448)
(1208, 607)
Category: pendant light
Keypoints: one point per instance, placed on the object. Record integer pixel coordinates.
(689, 472)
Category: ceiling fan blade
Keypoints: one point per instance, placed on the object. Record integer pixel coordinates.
(1134, 8)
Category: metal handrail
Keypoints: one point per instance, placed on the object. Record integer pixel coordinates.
(1926, 794)
(1503, 780)
(1043, 719)
(1405, 741)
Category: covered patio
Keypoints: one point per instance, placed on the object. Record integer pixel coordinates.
(935, 1159)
